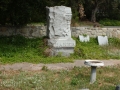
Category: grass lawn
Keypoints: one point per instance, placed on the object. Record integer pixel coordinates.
(75, 79)
(19, 49)
(16, 49)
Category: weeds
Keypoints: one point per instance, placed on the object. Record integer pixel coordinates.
(91, 50)
(45, 68)
(19, 49)
(75, 79)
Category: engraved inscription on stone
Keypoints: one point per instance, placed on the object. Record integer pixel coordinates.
(64, 44)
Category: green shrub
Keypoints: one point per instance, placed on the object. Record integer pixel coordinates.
(108, 22)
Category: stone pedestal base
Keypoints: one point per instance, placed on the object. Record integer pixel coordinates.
(61, 47)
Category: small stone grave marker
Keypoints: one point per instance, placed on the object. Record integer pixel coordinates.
(83, 38)
(103, 40)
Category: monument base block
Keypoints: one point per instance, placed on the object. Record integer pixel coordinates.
(61, 47)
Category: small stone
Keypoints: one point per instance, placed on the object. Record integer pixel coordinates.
(117, 87)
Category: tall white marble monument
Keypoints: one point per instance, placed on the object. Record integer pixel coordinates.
(58, 30)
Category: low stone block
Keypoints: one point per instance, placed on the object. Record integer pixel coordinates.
(63, 47)
(103, 40)
(61, 43)
(84, 38)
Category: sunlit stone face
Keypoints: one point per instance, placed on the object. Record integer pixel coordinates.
(68, 14)
(59, 22)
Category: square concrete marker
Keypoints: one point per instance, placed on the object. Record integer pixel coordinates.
(84, 38)
(103, 40)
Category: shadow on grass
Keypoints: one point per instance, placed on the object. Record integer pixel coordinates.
(19, 47)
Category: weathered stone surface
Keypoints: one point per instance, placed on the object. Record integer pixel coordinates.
(58, 28)
(61, 43)
(118, 33)
(78, 28)
(104, 34)
(62, 47)
(73, 29)
(59, 20)
(93, 32)
(26, 31)
(36, 33)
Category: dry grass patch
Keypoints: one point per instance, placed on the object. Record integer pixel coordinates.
(77, 78)
(109, 74)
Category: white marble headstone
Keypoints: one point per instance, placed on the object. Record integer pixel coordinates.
(83, 38)
(103, 40)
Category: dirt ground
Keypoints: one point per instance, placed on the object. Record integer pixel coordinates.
(57, 66)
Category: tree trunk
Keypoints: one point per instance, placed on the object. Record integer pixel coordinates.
(94, 11)
(93, 16)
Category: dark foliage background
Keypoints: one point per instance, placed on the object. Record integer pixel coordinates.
(21, 12)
